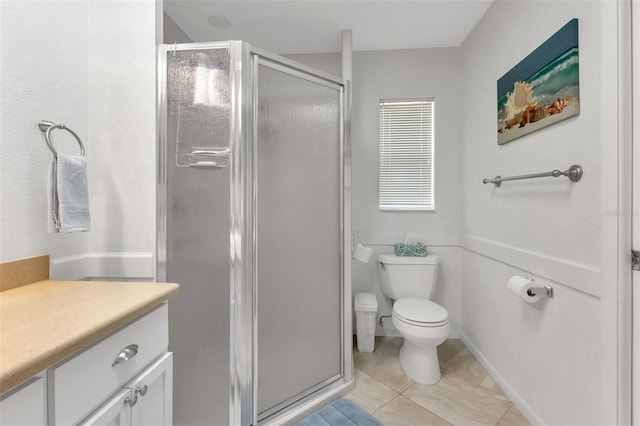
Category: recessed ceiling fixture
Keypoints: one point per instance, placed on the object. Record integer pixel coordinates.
(219, 22)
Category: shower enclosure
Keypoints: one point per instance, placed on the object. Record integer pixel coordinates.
(253, 222)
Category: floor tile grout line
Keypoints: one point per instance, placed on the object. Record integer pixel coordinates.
(407, 389)
(444, 364)
(505, 413)
(385, 344)
(385, 404)
(425, 408)
(383, 384)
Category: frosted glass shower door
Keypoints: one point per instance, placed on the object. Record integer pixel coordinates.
(252, 213)
(298, 234)
(194, 232)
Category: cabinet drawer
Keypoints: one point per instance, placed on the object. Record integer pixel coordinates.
(83, 382)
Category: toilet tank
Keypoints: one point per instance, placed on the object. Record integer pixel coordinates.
(409, 277)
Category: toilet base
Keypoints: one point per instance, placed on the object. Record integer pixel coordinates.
(420, 363)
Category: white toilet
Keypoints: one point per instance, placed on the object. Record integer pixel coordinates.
(410, 282)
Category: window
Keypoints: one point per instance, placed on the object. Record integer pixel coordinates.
(406, 154)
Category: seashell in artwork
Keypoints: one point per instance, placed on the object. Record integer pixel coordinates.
(518, 100)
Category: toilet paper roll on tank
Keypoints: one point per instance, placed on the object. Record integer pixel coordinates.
(521, 286)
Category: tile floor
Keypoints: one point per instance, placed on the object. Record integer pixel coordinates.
(465, 396)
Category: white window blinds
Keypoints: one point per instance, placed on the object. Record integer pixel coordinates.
(406, 154)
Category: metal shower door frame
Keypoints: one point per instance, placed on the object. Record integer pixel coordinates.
(244, 61)
(333, 387)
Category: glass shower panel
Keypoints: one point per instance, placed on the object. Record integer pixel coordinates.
(197, 232)
(298, 236)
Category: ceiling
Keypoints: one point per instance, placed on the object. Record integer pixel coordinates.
(315, 26)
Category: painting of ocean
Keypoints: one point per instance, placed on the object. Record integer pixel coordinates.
(543, 88)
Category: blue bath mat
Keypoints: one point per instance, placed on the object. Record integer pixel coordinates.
(342, 412)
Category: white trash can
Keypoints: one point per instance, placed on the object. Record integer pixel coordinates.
(366, 307)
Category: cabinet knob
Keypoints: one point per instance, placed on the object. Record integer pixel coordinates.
(131, 401)
(142, 390)
(125, 354)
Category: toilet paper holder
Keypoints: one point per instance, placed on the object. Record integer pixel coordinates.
(544, 290)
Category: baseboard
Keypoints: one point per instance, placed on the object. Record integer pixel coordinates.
(517, 400)
(103, 265)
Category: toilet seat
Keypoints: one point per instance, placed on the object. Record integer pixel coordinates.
(420, 313)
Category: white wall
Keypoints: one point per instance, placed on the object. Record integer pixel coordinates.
(547, 356)
(43, 77)
(62, 61)
(408, 74)
(122, 133)
(405, 74)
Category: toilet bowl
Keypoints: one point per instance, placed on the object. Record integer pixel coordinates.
(424, 326)
(410, 283)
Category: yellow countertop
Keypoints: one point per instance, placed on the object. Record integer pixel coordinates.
(47, 321)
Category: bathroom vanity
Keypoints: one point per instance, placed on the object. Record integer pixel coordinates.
(85, 352)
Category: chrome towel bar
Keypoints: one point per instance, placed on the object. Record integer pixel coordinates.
(47, 127)
(574, 173)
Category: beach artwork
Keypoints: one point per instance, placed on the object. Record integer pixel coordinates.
(542, 89)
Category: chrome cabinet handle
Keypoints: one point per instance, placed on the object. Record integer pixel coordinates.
(131, 401)
(125, 355)
(142, 390)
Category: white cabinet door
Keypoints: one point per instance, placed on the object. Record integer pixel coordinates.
(26, 406)
(144, 401)
(115, 412)
(154, 388)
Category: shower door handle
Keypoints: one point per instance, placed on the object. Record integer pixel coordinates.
(204, 158)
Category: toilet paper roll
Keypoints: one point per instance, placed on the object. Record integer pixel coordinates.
(520, 285)
(362, 253)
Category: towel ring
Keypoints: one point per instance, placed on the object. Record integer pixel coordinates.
(47, 127)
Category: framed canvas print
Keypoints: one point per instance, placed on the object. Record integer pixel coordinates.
(542, 89)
